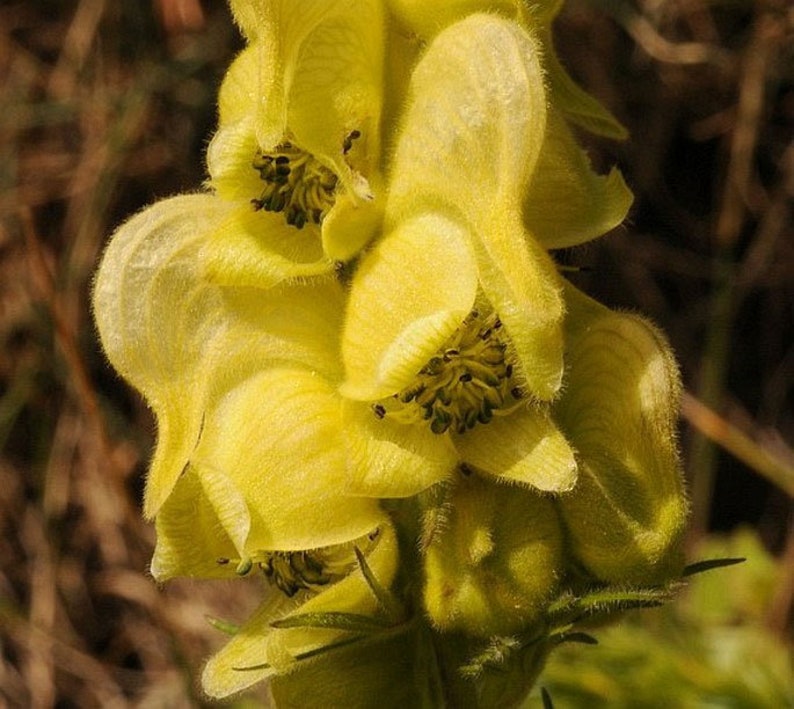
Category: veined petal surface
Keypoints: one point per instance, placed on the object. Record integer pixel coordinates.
(627, 513)
(320, 72)
(278, 437)
(388, 459)
(523, 447)
(154, 315)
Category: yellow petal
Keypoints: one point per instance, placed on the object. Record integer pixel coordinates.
(426, 19)
(350, 225)
(521, 281)
(473, 127)
(238, 97)
(155, 315)
(204, 520)
(294, 325)
(567, 203)
(524, 446)
(230, 162)
(408, 296)
(389, 459)
(278, 437)
(627, 513)
(258, 249)
(470, 142)
(271, 650)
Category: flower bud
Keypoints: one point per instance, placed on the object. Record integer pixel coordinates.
(493, 558)
(626, 515)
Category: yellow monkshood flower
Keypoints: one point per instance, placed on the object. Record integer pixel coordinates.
(261, 649)
(456, 315)
(228, 372)
(300, 121)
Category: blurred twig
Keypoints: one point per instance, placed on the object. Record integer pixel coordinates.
(777, 466)
(758, 56)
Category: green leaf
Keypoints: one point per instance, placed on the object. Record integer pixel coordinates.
(353, 622)
(699, 567)
(574, 637)
(607, 601)
(386, 599)
(546, 697)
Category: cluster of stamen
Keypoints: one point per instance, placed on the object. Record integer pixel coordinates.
(305, 570)
(296, 183)
(466, 383)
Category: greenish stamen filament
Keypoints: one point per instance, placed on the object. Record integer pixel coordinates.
(296, 183)
(468, 382)
(305, 570)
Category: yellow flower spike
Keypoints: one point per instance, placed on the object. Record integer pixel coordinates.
(475, 124)
(259, 650)
(495, 560)
(627, 513)
(300, 114)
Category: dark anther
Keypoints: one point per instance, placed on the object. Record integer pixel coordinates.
(222, 561)
(379, 410)
(347, 144)
(465, 377)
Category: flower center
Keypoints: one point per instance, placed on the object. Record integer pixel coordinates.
(296, 183)
(306, 570)
(468, 382)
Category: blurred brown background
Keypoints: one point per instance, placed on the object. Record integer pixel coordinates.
(107, 106)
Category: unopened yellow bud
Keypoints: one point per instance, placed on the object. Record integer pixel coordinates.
(493, 559)
(626, 515)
